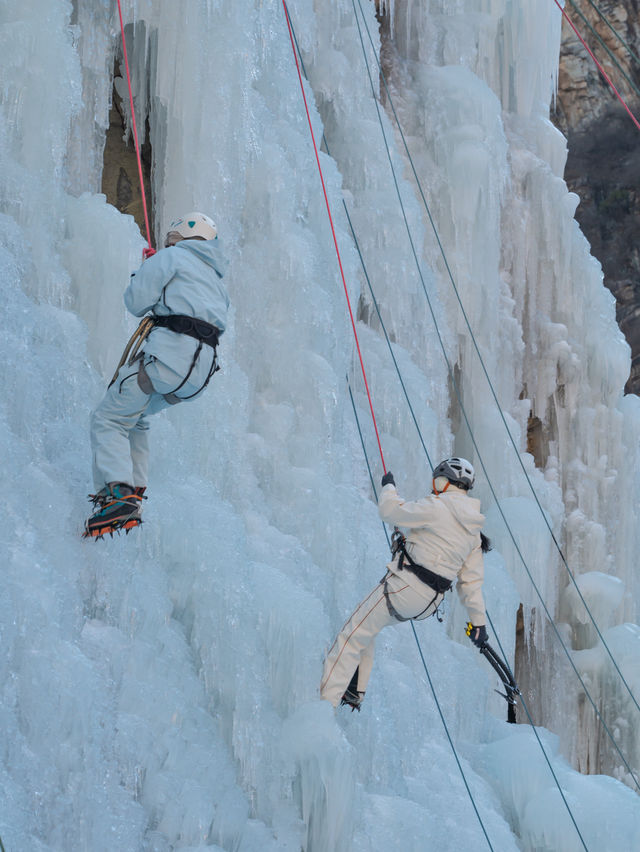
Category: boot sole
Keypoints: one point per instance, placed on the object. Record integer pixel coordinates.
(99, 532)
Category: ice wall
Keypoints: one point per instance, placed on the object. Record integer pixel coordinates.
(160, 691)
(479, 120)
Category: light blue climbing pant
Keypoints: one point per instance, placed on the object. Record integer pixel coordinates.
(120, 431)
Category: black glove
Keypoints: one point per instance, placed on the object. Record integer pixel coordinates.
(388, 479)
(478, 635)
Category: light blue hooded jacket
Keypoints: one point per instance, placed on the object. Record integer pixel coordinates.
(183, 279)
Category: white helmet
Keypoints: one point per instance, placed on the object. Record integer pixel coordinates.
(192, 225)
(458, 471)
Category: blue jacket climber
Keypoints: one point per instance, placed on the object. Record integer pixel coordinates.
(181, 285)
(184, 279)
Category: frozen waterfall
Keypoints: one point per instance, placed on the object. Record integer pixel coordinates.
(159, 691)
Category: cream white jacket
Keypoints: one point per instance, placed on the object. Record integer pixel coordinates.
(443, 535)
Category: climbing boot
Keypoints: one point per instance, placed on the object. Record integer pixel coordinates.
(352, 698)
(117, 508)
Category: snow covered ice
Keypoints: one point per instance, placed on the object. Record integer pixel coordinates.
(159, 691)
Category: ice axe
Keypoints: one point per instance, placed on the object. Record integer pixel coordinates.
(511, 689)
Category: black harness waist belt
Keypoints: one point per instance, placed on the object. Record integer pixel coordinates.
(181, 324)
(434, 581)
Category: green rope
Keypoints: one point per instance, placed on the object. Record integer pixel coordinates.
(609, 53)
(415, 636)
(535, 731)
(368, 280)
(545, 519)
(433, 691)
(459, 399)
(630, 50)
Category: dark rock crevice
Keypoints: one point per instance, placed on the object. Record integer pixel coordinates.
(120, 178)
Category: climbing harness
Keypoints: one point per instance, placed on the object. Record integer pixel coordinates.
(438, 584)
(196, 328)
(203, 332)
(435, 581)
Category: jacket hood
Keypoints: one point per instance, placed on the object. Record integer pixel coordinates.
(209, 251)
(465, 509)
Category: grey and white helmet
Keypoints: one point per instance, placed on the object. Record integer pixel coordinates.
(458, 471)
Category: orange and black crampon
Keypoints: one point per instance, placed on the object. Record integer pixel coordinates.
(117, 509)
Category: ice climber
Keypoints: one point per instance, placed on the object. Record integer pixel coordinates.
(182, 288)
(443, 544)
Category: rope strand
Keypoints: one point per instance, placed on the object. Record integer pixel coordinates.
(415, 636)
(458, 394)
(368, 280)
(294, 45)
(333, 233)
(602, 43)
(628, 47)
(135, 129)
(600, 68)
(502, 651)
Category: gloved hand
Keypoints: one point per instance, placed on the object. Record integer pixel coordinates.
(478, 635)
(388, 479)
(148, 252)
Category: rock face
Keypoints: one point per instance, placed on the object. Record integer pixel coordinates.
(603, 166)
(120, 179)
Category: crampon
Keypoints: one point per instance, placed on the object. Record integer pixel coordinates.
(98, 532)
(117, 509)
(352, 698)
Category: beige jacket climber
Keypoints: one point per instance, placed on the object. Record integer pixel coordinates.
(443, 536)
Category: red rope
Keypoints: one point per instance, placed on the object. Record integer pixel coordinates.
(600, 68)
(135, 129)
(335, 241)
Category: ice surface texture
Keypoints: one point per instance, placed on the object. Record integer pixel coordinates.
(160, 691)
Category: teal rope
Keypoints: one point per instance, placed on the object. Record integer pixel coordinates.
(611, 55)
(368, 280)
(535, 731)
(366, 457)
(490, 485)
(435, 697)
(477, 350)
(630, 50)
(555, 778)
(455, 754)
(494, 494)
(415, 635)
